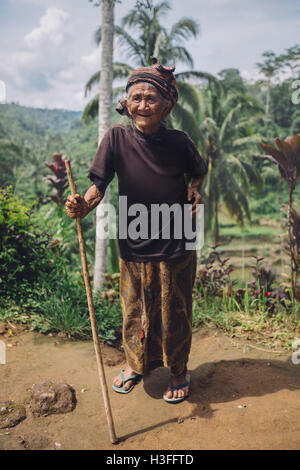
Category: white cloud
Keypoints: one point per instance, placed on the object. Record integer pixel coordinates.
(251, 76)
(34, 64)
(49, 54)
(51, 30)
(50, 63)
(91, 61)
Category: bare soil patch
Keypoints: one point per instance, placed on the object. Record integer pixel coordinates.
(241, 397)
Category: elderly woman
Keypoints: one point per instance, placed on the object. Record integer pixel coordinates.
(156, 274)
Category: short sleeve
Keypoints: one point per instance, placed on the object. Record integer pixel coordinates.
(102, 171)
(195, 164)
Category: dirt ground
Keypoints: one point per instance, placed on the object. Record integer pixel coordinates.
(241, 397)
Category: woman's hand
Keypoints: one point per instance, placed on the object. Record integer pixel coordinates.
(76, 206)
(193, 194)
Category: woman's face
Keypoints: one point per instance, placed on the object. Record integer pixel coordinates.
(146, 107)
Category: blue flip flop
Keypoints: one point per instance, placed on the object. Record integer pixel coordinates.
(178, 387)
(135, 377)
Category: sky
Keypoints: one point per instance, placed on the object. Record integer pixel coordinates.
(48, 53)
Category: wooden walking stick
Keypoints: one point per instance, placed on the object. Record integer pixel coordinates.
(107, 407)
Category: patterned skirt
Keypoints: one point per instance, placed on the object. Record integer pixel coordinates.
(156, 300)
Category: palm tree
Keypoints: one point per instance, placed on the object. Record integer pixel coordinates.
(105, 113)
(228, 143)
(154, 40)
(269, 69)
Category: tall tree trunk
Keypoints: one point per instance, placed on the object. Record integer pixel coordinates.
(216, 225)
(105, 112)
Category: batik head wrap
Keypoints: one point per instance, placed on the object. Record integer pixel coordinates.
(159, 76)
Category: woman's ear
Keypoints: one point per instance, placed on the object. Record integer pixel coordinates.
(168, 108)
(127, 107)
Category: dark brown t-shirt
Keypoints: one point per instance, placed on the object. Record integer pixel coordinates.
(150, 170)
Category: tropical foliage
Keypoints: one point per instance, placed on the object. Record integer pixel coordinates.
(227, 117)
(153, 39)
(228, 143)
(287, 157)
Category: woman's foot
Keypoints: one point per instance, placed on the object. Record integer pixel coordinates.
(118, 382)
(181, 388)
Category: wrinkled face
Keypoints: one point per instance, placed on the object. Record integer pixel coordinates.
(146, 107)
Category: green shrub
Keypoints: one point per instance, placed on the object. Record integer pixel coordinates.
(23, 251)
(39, 286)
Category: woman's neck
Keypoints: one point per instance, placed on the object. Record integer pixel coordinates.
(146, 130)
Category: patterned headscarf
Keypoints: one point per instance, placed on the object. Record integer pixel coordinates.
(160, 76)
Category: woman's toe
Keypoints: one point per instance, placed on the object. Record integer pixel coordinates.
(117, 381)
(127, 385)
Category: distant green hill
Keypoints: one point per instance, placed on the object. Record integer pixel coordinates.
(28, 134)
(21, 121)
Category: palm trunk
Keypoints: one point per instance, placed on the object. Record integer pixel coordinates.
(216, 227)
(105, 111)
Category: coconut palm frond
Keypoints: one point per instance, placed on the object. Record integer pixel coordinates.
(269, 174)
(136, 16)
(185, 121)
(247, 102)
(91, 110)
(89, 85)
(122, 70)
(227, 122)
(234, 197)
(118, 92)
(97, 36)
(188, 94)
(173, 54)
(210, 128)
(134, 50)
(236, 168)
(157, 45)
(200, 76)
(184, 29)
(162, 8)
(254, 176)
(253, 139)
(143, 14)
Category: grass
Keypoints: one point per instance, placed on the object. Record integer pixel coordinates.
(249, 320)
(249, 232)
(62, 308)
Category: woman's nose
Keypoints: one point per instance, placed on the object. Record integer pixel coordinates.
(143, 104)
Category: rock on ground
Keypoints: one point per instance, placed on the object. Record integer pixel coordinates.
(50, 398)
(11, 414)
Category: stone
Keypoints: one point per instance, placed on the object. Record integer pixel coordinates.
(11, 414)
(50, 398)
(3, 328)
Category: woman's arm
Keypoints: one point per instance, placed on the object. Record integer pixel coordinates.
(79, 206)
(193, 192)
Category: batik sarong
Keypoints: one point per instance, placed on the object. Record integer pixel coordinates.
(156, 300)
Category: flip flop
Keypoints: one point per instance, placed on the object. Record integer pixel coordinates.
(135, 377)
(178, 387)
